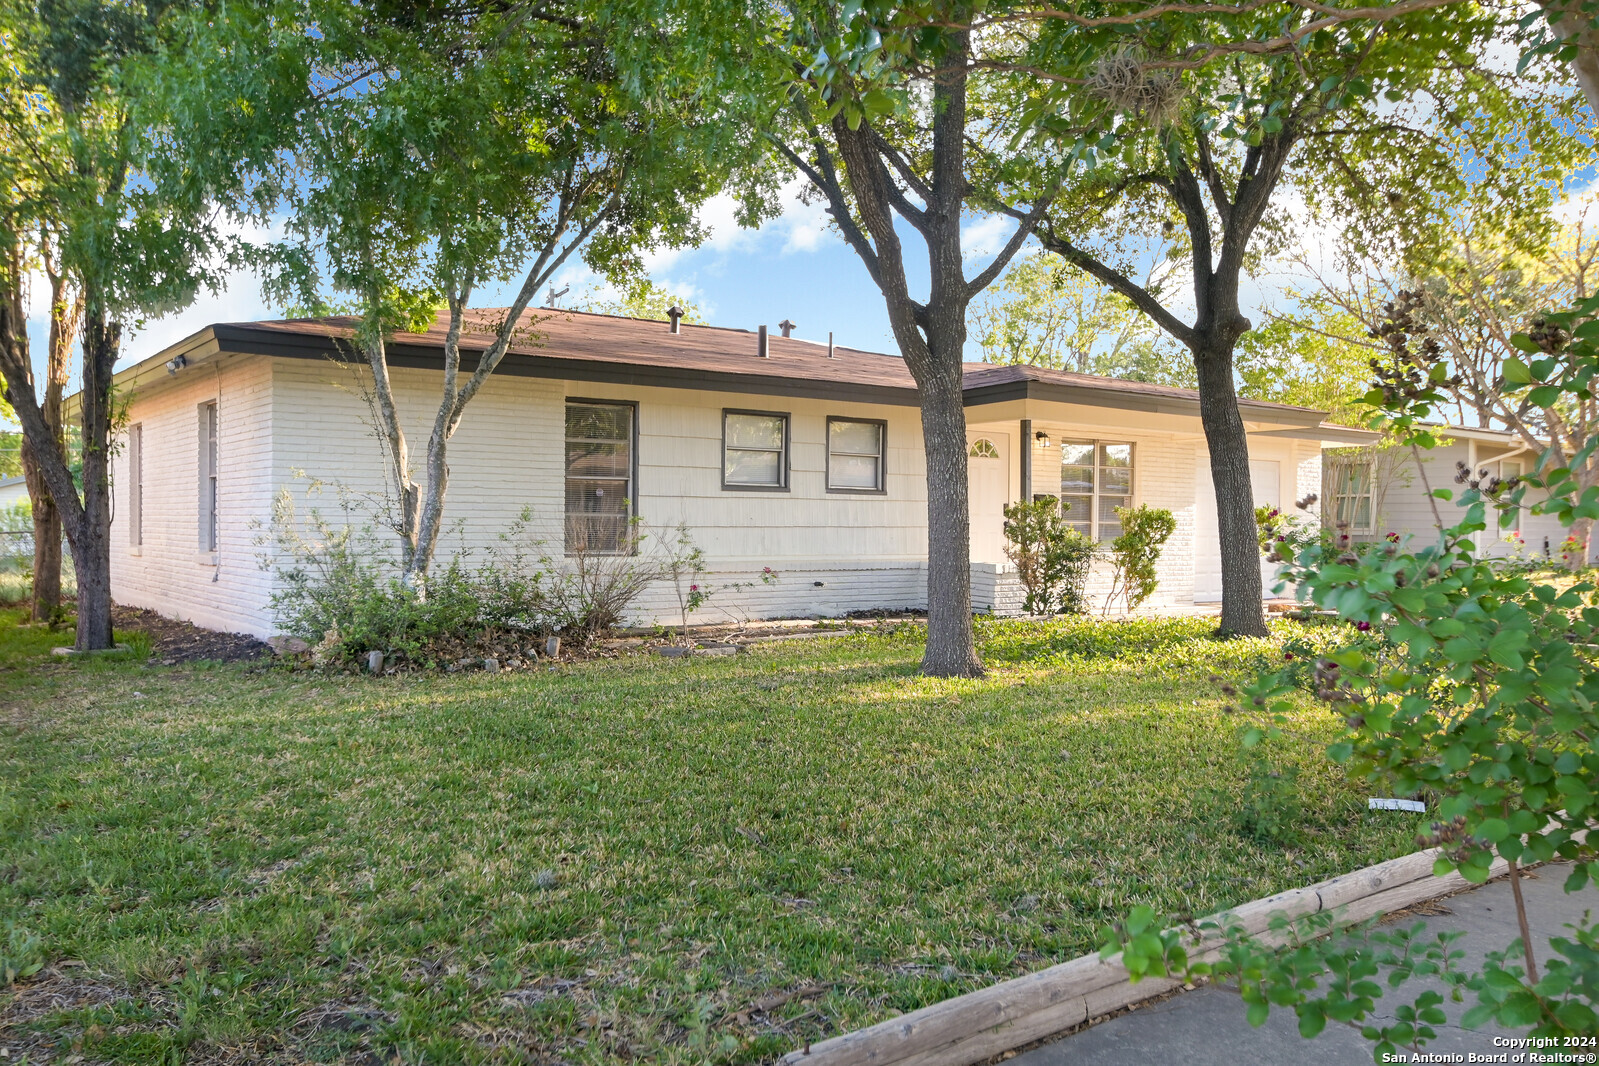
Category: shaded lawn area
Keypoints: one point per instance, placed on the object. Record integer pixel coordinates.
(644, 859)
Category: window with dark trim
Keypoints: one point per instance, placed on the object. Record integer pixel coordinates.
(755, 450)
(599, 477)
(856, 455)
(135, 485)
(1096, 477)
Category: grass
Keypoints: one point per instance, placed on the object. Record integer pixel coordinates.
(624, 860)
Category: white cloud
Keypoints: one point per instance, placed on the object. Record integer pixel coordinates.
(986, 236)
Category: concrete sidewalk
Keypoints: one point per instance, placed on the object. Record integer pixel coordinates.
(1206, 1027)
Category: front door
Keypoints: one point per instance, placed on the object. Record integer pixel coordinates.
(987, 493)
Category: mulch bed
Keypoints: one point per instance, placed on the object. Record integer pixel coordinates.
(184, 642)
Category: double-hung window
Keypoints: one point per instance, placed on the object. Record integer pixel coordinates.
(755, 450)
(599, 477)
(856, 455)
(1096, 477)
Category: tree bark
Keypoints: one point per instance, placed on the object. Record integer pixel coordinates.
(90, 535)
(951, 648)
(1228, 442)
(46, 541)
(1569, 21)
(47, 531)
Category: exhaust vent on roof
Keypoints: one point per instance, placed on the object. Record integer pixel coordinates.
(675, 313)
(762, 349)
(787, 327)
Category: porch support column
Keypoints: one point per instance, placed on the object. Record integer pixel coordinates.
(1027, 460)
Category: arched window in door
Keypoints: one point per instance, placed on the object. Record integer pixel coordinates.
(983, 448)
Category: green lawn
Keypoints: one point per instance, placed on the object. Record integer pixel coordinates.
(625, 860)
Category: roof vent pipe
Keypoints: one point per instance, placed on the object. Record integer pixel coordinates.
(830, 344)
(787, 327)
(761, 348)
(675, 313)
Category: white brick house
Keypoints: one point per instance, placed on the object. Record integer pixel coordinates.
(806, 460)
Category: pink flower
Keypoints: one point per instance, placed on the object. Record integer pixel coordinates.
(1364, 627)
(693, 588)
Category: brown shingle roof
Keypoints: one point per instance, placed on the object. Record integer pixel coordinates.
(640, 351)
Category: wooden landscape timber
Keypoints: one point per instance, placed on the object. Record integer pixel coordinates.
(972, 1028)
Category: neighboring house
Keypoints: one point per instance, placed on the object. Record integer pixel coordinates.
(1378, 491)
(13, 492)
(806, 459)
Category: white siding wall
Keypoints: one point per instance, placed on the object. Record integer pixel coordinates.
(304, 427)
(866, 551)
(1406, 509)
(169, 572)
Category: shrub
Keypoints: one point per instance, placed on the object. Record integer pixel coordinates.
(598, 577)
(1051, 558)
(1134, 554)
(340, 591)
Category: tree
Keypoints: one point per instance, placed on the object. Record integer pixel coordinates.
(1467, 291)
(1478, 696)
(66, 312)
(456, 149)
(1317, 356)
(889, 138)
(1042, 312)
(640, 298)
(71, 124)
(1202, 155)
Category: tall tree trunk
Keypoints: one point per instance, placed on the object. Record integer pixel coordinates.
(47, 532)
(90, 537)
(951, 649)
(46, 540)
(405, 522)
(1228, 442)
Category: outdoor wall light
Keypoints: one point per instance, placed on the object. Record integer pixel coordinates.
(1042, 438)
(176, 363)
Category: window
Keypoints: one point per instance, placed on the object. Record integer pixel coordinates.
(1096, 477)
(208, 477)
(1351, 495)
(983, 448)
(599, 477)
(1509, 468)
(754, 450)
(855, 455)
(135, 485)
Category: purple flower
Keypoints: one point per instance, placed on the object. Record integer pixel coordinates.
(1288, 656)
(1364, 627)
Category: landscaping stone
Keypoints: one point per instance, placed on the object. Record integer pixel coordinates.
(674, 651)
(552, 647)
(374, 662)
(285, 645)
(74, 652)
(491, 666)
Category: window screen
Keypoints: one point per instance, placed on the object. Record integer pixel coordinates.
(599, 478)
(754, 450)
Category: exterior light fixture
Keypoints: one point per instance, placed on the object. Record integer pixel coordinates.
(1042, 438)
(176, 363)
